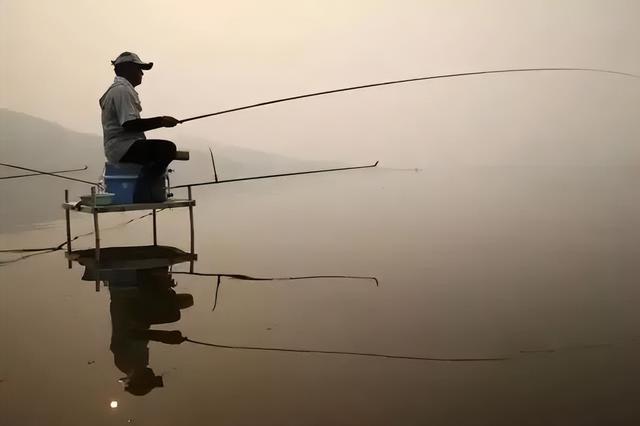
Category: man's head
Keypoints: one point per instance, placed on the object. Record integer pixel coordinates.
(128, 65)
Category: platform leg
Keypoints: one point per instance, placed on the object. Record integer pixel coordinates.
(191, 221)
(96, 226)
(155, 232)
(67, 215)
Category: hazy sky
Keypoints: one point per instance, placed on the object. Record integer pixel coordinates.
(211, 55)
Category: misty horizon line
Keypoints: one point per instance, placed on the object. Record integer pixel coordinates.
(98, 135)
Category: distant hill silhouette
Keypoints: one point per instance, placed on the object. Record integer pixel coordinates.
(33, 142)
(36, 143)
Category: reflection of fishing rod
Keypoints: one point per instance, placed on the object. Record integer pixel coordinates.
(325, 352)
(386, 83)
(306, 277)
(521, 353)
(250, 278)
(51, 174)
(39, 174)
(276, 175)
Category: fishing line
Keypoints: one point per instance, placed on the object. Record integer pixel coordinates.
(46, 250)
(406, 169)
(408, 80)
(6, 262)
(50, 174)
(29, 250)
(39, 174)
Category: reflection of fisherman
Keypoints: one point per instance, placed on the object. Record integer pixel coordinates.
(139, 299)
(123, 129)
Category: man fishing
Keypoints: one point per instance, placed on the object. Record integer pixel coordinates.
(123, 128)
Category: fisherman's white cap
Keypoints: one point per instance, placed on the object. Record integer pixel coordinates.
(131, 57)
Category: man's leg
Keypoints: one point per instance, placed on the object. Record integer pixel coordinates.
(154, 155)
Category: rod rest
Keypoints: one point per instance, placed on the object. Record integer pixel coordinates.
(182, 155)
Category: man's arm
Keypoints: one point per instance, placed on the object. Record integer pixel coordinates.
(144, 124)
(127, 109)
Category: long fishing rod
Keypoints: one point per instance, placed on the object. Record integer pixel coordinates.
(40, 174)
(408, 80)
(214, 182)
(50, 174)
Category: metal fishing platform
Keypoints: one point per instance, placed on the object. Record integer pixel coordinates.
(96, 210)
(122, 181)
(124, 190)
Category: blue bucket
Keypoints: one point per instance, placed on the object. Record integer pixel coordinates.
(121, 180)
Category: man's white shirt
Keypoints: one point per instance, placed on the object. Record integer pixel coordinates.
(119, 104)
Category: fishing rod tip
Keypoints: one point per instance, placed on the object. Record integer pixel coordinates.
(376, 163)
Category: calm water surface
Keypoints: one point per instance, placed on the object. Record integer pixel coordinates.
(538, 266)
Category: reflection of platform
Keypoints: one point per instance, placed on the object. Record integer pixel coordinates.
(127, 258)
(123, 264)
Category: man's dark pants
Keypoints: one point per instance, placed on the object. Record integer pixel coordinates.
(154, 155)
